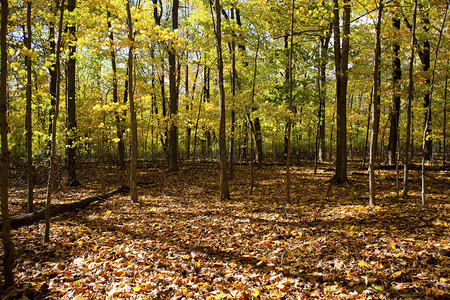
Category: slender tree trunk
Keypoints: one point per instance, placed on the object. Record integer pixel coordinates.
(410, 99)
(444, 154)
(9, 251)
(322, 95)
(375, 108)
(289, 122)
(341, 66)
(173, 105)
(28, 121)
(51, 175)
(52, 84)
(188, 127)
(428, 119)
(224, 189)
(133, 121)
(395, 109)
(233, 94)
(119, 127)
(71, 149)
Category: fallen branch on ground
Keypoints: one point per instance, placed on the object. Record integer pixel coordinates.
(28, 219)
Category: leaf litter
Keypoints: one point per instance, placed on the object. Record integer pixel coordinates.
(181, 242)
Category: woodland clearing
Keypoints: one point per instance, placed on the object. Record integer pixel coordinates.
(181, 242)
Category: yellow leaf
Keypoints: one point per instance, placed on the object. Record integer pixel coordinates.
(256, 292)
(393, 247)
(363, 264)
(137, 288)
(442, 279)
(396, 274)
(108, 212)
(116, 140)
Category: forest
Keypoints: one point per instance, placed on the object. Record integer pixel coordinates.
(224, 149)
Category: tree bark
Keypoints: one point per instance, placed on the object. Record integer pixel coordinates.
(133, 121)
(410, 99)
(119, 127)
(173, 90)
(9, 251)
(375, 107)
(341, 67)
(289, 121)
(71, 149)
(224, 188)
(28, 120)
(444, 154)
(51, 174)
(395, 109)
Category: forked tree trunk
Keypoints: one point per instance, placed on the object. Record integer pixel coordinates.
(28, 121)
(133, 163)
(375, 108)
(224, 188)
(51, 176)
(9, 251)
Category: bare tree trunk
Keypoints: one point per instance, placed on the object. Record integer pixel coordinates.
(173, 105)
(51, 175)
(367, 129)
(410, 99)
(119, 127)
(9, 251)
(224, 188)
(134, 155)
(233, 94)
(341, 66)
(289, 122)
(71, 149)
(428, 119)
(444, 154)
(375, 108)
(28, 121)
(395, 109)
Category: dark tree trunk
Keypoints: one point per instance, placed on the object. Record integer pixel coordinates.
(173, 105)
(28, 121)
(224, 188)
(71, 149)
(375, 108)
(53, 82)
(395, 109)
(323, 59)
(341, 66)
(9, 251)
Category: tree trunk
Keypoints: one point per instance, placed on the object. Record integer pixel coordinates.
(375, 108)
(233, 94)
(322, 96)
(395, 109)
(224, 189)
(410, 99)
(9, 251)
(289, 121)
(71, 149)
(341, 66)
(133, 122)
(444, 154)
(428, 119)
(119, 127)
(28, 121)
(53, 82)
(51, 175)
(173, 105)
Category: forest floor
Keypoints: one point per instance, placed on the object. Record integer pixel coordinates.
(181, 242)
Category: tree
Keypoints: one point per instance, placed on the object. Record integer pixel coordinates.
(173, 90)
(375, 107)
(28, 119)
(289, 122)
(223, 179)
(341, 66)
(410, 99)
(133, 121)
(119, 127)
(9, 256)
(395, 109)
(71, 149)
